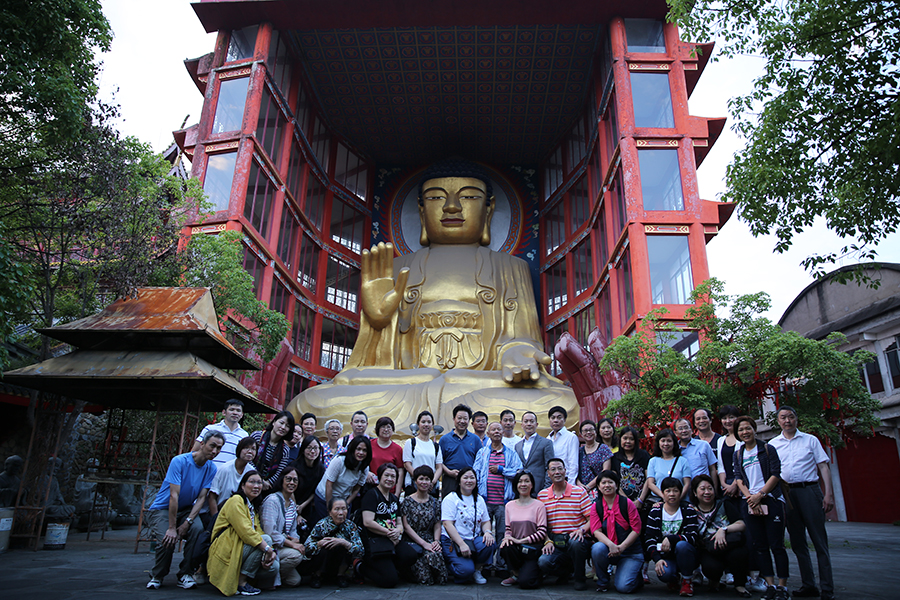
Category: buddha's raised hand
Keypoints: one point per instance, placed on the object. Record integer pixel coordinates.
(381, 295)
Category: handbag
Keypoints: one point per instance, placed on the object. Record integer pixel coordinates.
(733, 539)
(380, 547)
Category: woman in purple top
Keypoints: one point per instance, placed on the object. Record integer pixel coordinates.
(593, 457)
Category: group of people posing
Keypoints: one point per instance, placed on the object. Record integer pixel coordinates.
(279, 507)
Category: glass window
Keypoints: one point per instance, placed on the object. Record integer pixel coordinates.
(556, 287)
(670, 269)
(611, 126)
(343, 284)
(579, 203)
(260, 199)
(661, 180)
(347, 225)
(652, 100)
(241, 44)
(602, 240)
(871, 376)
(581, 264)
(296, 383)
(620, 207)
(321, 142)
(218, 178)
(302, 112)
(314, 205)
(256, 268)
(892, 355)
(584, 324)
(577, 145)
(645, 35)
(555, 227)
(230, 105)
(307, 271)
(685, 342)
(288, 235)
(270, 126)
(302, 330)
(295, 171)
(351, 171)
(626, 287)
(552, 337)
(337, 344)
(606, 324)
(278, 62)
(553, 173)
(279, 298)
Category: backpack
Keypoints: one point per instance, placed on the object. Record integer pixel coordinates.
(412, 448)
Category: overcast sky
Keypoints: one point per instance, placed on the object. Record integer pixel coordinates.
(155, 92)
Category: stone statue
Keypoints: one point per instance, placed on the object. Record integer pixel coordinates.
(10, 480)
(56, 508)
(454, 322)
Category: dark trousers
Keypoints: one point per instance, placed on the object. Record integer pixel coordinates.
(328, 562)
(766, 533)
(808, 514)
(568, 561)
(529, 573)
(384, 571)
(734, 560)
(448, 484)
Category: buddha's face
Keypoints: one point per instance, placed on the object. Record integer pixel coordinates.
(454, 210)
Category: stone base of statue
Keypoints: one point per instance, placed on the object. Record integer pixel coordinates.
(411, 391)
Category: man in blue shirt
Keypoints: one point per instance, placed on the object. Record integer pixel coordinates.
(173, 514)
(699, 454)
(458, 448)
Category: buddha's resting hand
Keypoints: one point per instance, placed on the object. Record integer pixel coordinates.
(520, 363)
(381, 295)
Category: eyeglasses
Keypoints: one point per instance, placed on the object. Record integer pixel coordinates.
(291, 479)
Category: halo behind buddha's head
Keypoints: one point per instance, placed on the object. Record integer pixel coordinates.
(457, 167)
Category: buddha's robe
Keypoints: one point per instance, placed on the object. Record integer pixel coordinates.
(438, 352)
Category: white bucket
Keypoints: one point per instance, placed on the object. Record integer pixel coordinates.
(6, 523)
(56, 536)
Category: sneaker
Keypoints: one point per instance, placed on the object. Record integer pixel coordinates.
(697, 577)
(758, 584)
(770, 593)
(645, 573)
(479, 578)
(154, 584)
(187, 582)
(687, 588)
(602, 588)
(728, 579)
(247, 590)
(806, 592)
(781, 593)
(509, 581)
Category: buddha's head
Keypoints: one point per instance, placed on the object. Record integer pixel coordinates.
(456, 203)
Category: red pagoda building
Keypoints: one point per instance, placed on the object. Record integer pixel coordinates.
(319, 116)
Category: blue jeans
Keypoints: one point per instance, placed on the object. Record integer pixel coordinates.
(462, 568)
(628, 569)
(683, 560)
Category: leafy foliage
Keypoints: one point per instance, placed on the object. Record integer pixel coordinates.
(216, 261)
(744, 360)
(821, 123)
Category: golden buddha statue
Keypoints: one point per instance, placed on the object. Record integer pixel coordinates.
(454, 322)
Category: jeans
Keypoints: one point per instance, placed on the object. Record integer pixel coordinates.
(808, 514)
(462, 568)
(628, 567)
(569, 561)
(682, 561)
(766, 533)
(497, 514)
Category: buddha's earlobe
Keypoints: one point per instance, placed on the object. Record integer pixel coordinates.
(486, 231)
(423, 235)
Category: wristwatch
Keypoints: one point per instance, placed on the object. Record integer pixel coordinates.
(190, 520)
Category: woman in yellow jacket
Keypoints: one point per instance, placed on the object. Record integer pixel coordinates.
(240, 550)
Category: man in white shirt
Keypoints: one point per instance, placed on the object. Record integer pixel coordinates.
(508, 422)
(698, 453)
(534, 451)
(804, 465)
(565, 443)
(230, 428)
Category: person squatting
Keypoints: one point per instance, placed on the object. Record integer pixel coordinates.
(281, 508)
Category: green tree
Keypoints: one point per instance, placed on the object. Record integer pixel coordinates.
(744, 359)
(822, 123)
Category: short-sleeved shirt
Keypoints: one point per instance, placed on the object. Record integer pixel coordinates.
(800, 457)
(459, 452)
(659, 468)
(700, 456)
(671, 524)
(568, 512)
(229, 450)
(342, 479)
(425, 453)
(386, 510)
(753, 470)
(466, 514)
(183, 471)
(392, 454)
(510, 442)
(226, 481)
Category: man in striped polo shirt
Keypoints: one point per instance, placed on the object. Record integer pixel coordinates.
(229, 427)
(568, 522)
(495, 466)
